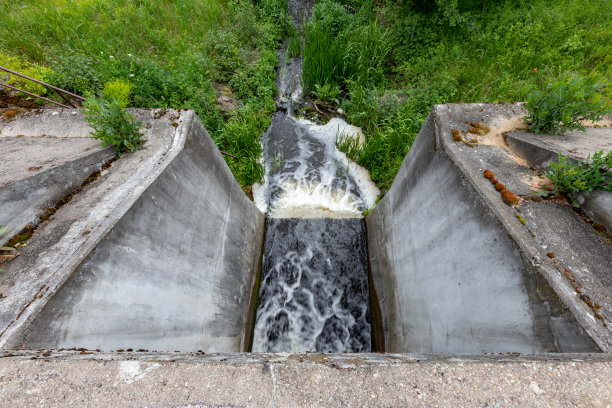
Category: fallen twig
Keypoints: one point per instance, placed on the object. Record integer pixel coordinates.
(229, 154)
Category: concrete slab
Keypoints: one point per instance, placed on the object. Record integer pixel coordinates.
(160, 253)
(454, 268)
(539, 150)
(304, 380)
(39, 169)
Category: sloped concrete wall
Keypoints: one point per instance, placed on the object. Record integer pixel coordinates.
(176, 272)
(447, 273)
(40, 164)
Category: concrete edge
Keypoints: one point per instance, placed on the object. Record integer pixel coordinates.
(88, 164)
(249, 330)
(317, 358)
(583, 314)
(63, 264)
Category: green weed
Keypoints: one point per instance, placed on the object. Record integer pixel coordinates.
(571, 177)
(563, 104)
(112, 124)
(118, 90)
(326, 93)
(35, 71)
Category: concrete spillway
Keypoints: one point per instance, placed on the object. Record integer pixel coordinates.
(172, 265)
(450, 277)
(162, 252)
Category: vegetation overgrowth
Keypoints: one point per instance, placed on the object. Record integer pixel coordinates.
(390, 61)
(171, 53)
(564, 104)
(384, 62)
(570, 177)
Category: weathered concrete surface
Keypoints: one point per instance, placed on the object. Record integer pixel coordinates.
(540, 150)
(39, 169)
(598, 206)
(305, 380)
(456, 271)
(165, 261)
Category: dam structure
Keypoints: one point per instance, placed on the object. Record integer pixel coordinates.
(156, 269)
(162, 251)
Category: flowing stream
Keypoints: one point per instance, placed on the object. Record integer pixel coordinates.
(314, 287)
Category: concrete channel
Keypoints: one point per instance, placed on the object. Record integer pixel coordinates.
(161, 254)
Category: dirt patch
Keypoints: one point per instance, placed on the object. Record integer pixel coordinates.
(10, 114)
(536, 181)
(14, 100)
(226, 100)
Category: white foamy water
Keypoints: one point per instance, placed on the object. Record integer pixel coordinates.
(314, 289)
(307, 176)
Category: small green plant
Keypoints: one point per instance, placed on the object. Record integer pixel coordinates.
(327, 94)
(573, 178)
(4, 249)
(112, 124)
(562, 105)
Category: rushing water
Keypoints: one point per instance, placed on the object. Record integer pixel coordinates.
(314, 293)
(314, 289)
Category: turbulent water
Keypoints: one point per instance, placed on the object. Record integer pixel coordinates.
(314, 290)
(314, 294)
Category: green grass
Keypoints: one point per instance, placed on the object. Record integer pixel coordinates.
(410, 55)
(170, 51)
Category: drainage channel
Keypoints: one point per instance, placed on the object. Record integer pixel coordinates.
(314, 292)
(431, 269)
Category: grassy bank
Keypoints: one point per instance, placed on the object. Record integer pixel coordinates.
(175, 54)
(390, 61)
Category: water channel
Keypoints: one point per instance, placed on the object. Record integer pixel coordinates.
(314, 288)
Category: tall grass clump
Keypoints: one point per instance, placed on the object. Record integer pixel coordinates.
(341, 47)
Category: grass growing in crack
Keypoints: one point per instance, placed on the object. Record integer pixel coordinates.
(112, 124)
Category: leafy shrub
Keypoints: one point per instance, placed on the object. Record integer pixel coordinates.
(112, 124)
(117, 90)
(76, 73)
(571, 178)
(564, 103)
(326, 93)
(22, 66)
